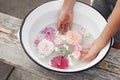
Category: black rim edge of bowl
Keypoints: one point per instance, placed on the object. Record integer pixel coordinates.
(46, 67)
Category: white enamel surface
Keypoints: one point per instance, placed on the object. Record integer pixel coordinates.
(48, 14)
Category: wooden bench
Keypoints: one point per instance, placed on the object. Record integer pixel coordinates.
(12, 53)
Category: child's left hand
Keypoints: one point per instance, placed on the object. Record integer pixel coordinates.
(91, 53)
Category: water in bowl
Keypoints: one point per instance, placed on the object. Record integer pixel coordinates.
(62, 47)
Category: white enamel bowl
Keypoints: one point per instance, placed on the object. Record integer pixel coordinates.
(47, 14)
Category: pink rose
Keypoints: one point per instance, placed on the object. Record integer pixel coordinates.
(73, 38)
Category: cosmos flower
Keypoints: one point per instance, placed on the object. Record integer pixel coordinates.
(77, 52)
(48, 31)
(73, 38)
(59, 62)
(49, 37)
(45, 47)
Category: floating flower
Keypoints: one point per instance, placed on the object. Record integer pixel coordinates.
(36, 41)
(84, 32)
(48, 31)
(62, 50)
(73, 38)
(49, 37)
(77, 52)
(57, 41)
(45, 47)
(59, 62)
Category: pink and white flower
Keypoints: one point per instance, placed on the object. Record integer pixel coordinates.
(73, 38)
(57, 41)
(77, 52)
(49, 33)
(59, 62)
(45, 47)
(49, 37)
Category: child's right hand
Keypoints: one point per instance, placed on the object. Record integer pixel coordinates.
(65, 20)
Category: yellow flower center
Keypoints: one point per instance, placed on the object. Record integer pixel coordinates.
(58, 64)
(46, 46)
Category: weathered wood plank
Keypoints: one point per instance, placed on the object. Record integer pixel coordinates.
(111, 62)
(5, 70)
(91, 74)
(19, 74)
(12, 53)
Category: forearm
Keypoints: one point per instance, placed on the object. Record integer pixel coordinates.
(68, 4)
(113, 24)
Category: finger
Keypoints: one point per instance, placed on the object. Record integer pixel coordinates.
(84, 51)
(70, 25)
(62, 29)
(91, 55)
(59, 25)
(82, 55)
(88, 57)
(66, 27)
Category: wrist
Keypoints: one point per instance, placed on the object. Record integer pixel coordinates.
(68, 4)
(67, 10)
(104, 39)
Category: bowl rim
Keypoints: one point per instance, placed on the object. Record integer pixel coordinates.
(20, 37)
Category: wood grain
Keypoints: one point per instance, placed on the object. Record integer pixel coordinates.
(12, 53)
(5, 70)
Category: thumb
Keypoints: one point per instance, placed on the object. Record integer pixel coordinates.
(92, 53)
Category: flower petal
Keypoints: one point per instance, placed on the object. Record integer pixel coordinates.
(59, 62)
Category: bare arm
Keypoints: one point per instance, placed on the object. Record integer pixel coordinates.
(68, 4)
(113, 23)
(66, 16)
(111, 28)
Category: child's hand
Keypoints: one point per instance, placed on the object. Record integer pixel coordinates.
(91, 53)
(65, 20)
